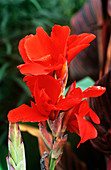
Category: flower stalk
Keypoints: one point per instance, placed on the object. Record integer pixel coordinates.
(52, 160)
(52, 164)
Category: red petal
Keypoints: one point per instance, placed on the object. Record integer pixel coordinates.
(68, 103)
(75, 40)
(43, 101)
(22, 49)
(59, 37)
(94, 91)
(33, 69)
(76, 93)
(38, 69)
(86, 129)
(84, 108)
(71, 40)
(74, 51)
(52, 87)
(94, 117)
(74, 97)
(38, 46)
(25, 113)
(85, 38)
(57, 65)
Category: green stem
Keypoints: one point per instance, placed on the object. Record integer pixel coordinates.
(52, 164)
(52, 160)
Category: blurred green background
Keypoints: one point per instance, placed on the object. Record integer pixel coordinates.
(17, 19)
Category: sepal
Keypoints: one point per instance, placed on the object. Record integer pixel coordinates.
(57, 149)
(55, 126)
(45, 136)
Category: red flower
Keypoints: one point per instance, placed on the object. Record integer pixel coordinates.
(43, 54)
(48, 101)
(75, 120)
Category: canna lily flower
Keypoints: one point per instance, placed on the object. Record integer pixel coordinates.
(44, 55)
(48, 101)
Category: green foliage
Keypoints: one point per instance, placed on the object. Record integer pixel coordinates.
(3, 154)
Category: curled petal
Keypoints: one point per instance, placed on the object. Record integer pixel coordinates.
(86, 129)
(84, 108)
(22, 49)
(77, 43)
(94, 116)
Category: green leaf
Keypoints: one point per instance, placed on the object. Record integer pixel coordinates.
(8, 47)
(3, 70)
(85, 83)
(36, 4)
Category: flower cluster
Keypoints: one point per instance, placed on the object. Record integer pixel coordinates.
(46, 69)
